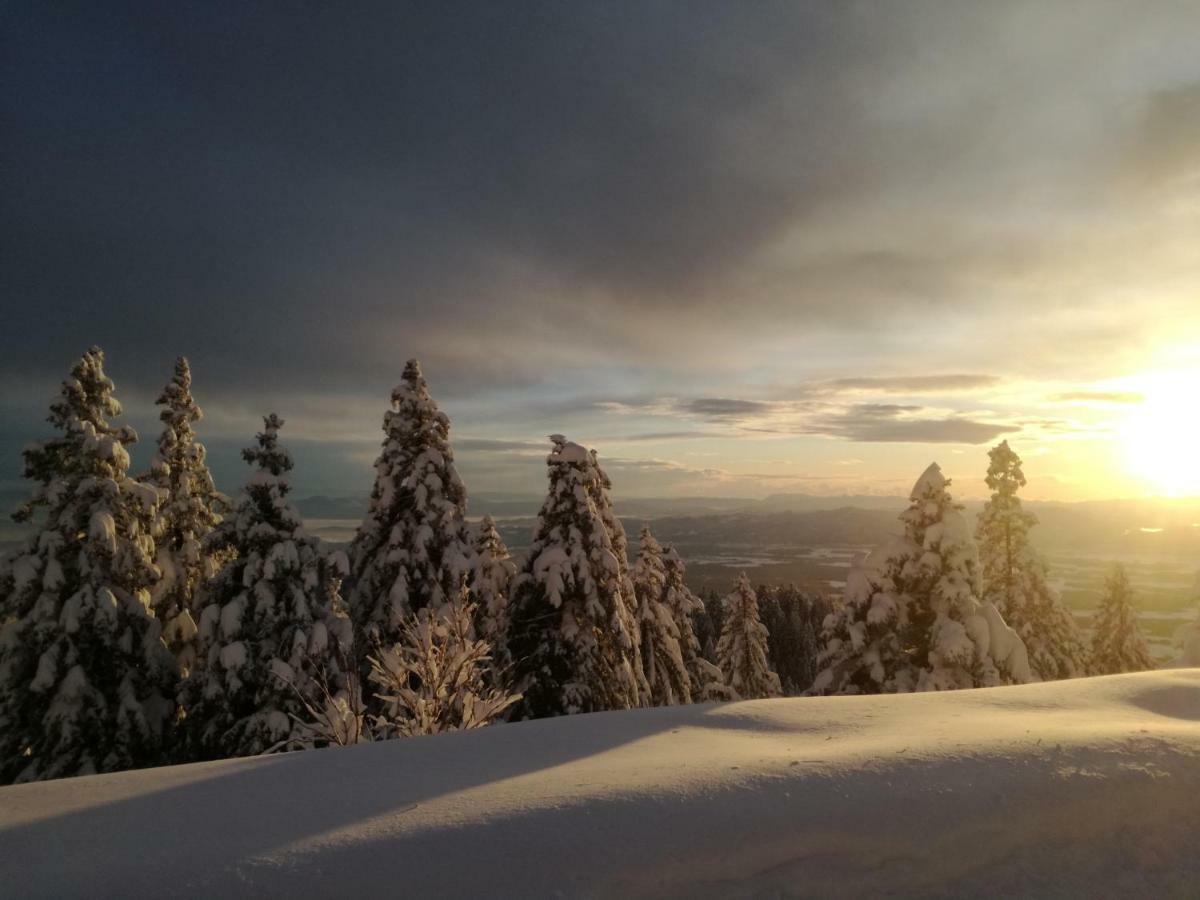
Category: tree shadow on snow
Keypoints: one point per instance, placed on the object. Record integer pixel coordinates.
(178, 834)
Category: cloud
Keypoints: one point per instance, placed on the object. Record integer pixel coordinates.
(725, 408)
(1114, 397)
(915, 384)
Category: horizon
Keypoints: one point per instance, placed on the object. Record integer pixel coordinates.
(815, 257)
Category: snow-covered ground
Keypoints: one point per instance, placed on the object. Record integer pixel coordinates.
(1083, 788)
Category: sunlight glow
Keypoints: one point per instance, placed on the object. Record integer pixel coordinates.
(1161, 434)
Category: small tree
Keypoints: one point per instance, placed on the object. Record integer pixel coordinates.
(1014, 576)
(912, 619)
(86, 683)
(1117, 642)
(490, 582)
(662, 658)
(272, 623)
(434, 679)
(191, 508)
(572, 638)
(742, 650)
(411, 549)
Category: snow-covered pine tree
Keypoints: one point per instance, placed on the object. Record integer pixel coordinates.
(191, 508)
(1015, 578)
(436, 678)
(1117, 641)
(86, 683)
(742, 649)
(490, 583)
(571, 635)
(272, 628)
(411, 550)
(912, 620)
(705, 679)
(601, 488)
(662, 658)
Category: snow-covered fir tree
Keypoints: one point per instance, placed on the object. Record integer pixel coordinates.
(705, 679)
(1117, 641)
(436, 678)
(190, 509)
(912, 619)
(411, 550)
(1015, 577)
(572, 637)
(742, 649)
(272, 629)
(662, 658)
(86, 682)
(601, 489)
(490, 582)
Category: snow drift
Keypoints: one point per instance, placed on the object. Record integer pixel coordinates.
(1087, 787)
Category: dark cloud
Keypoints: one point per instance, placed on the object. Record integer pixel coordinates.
(887, 423)
(725, 408)
(545, 199)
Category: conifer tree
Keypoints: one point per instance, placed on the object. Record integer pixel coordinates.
(491, 574)
(272, 628)
(86, 683)
(191, 508)
(662, 658)
(1117, 641)
(435, 678)
(601, 488)
(572, 637)
(793, 623)
(742, 649)
(1015, 578)
(410, 552)
(912, 620)
(705, 679)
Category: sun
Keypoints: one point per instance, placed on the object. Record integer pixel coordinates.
(1162, 433)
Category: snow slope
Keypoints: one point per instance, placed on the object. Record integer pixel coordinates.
(1080, 788)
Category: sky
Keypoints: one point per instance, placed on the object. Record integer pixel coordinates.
(740, 249)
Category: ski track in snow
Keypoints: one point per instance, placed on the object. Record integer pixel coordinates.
(1080, 788)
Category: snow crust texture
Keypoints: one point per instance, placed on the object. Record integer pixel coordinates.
(1079, 788)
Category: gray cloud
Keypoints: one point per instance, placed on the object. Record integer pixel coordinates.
(550, 199)
(916, 384)
(725, 408)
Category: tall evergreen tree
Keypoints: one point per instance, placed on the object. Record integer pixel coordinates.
(912, 620)
(86, 683)
(191, 508)
(272, 629)
(742, 650)
(411, 550)
(1117, 641)
(662, 657)
(601, 488)
(706, 680)
(1015, 578)
(572, 637)
(490, 582)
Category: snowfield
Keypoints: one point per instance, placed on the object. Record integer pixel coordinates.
(1080, 788)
